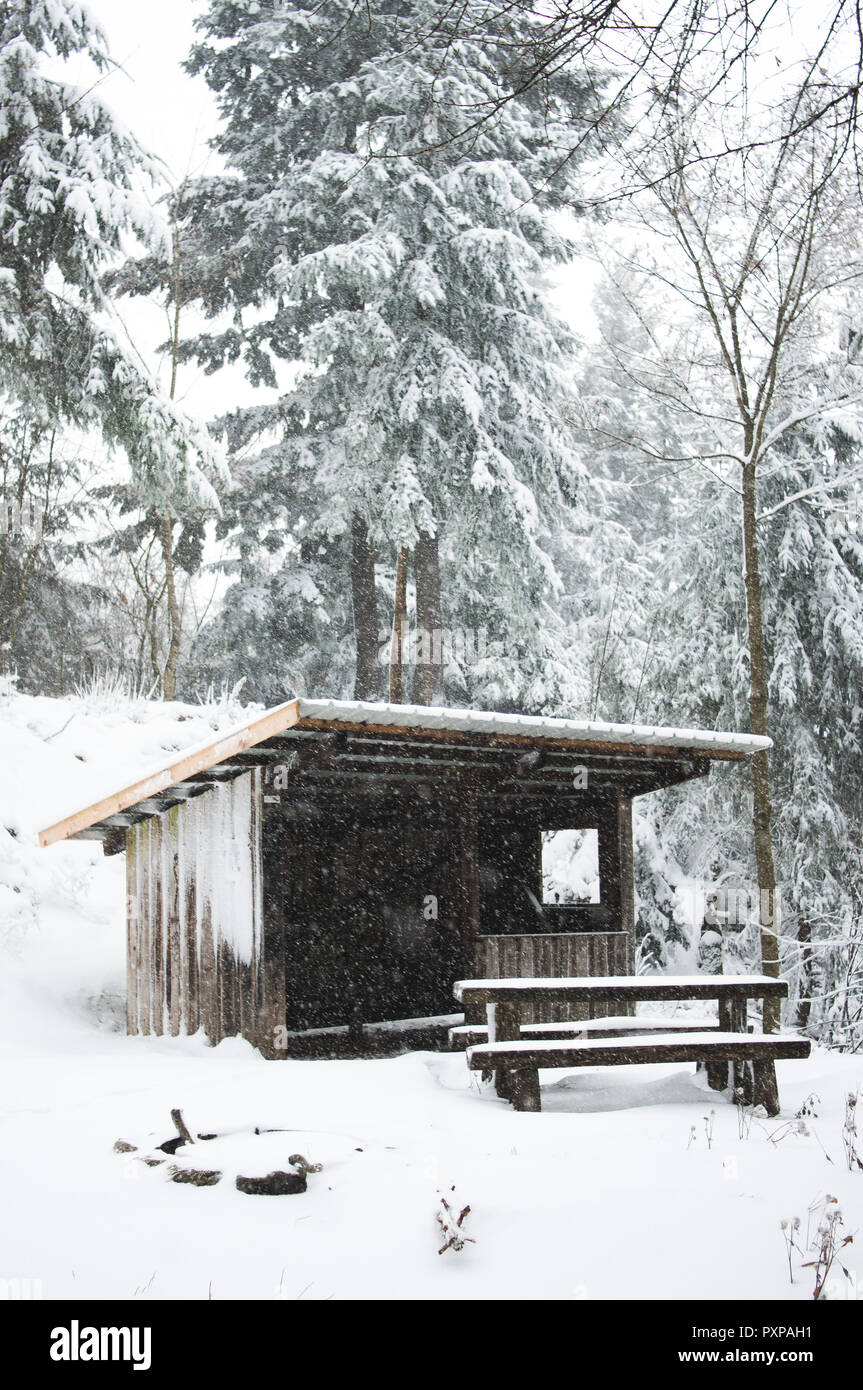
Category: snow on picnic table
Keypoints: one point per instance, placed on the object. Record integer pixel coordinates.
(641, 984)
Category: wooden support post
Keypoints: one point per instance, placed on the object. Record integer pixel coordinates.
(174, 962)
(192, 1011)
(616, 869)
(208, 976)
(718, 1071)
(764, 1088)
(469, 874)
(627, 874)
(744, 1090)
(504, 1025)
(717, 1075)
(145, 926)
(737, 1072)
(524, 1089)
(133, 929)
(157, 928)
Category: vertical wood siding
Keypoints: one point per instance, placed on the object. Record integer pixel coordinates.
(195, 939)
(556, 957)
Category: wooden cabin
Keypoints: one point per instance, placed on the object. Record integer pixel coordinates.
(338, 862)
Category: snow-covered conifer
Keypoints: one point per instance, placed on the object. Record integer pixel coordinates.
(366, 233)
(73, 189)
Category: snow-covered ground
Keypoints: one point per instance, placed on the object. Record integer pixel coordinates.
(634, 1183)
(604, 1195)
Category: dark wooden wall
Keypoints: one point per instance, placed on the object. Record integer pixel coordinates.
(369, 907)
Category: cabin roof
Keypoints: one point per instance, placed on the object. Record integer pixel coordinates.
(532, 726)
(228, 755)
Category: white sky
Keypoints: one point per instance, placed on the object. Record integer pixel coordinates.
(171, 113)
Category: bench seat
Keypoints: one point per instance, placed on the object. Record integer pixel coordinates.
(521, 1059)
(469, 1034)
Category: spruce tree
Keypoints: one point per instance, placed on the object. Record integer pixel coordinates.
(73, 187)
(366, 235)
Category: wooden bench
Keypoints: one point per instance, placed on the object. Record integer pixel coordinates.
(521, 1059)
(732, 1056)
(470, 1034)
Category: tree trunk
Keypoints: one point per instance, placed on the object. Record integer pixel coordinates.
(428, 680)
(175, 622)
(367, 674)
(804, 987)
(16, 574)
(400, 614)
(169, 674)
(151, 626)
(762, 807)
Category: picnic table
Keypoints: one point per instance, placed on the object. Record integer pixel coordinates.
(731, 1054)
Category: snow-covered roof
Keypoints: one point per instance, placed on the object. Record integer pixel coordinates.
(387, 720)
(530, 726)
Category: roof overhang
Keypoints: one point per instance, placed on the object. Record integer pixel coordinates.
(372, 736)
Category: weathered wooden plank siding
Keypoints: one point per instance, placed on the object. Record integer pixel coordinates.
(145, 917)
(192, 1003)
(194, 930)
(157, 923)
(133, 928)
(171, 839)
(553, 956)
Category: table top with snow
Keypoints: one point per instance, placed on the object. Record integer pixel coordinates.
(643, 986)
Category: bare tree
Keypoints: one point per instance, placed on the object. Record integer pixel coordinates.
(166, 522)
(155, 567)
(748, 264)
(641, 61)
